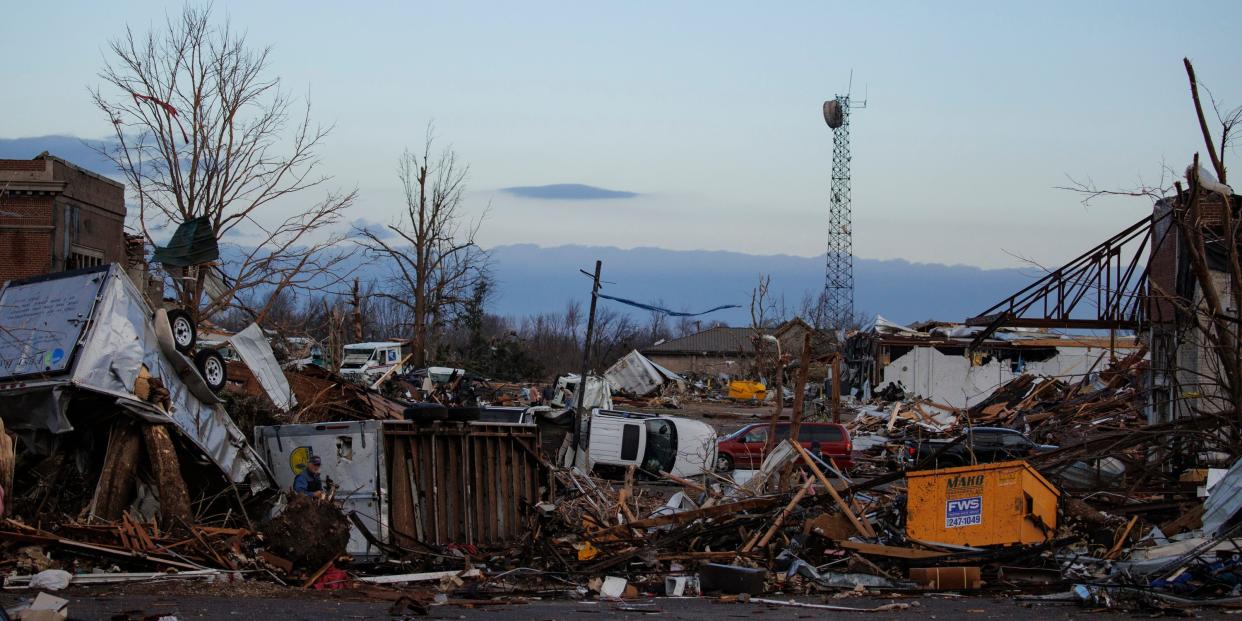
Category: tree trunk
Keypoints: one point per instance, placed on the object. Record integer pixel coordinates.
(174, 496)
(795, 422)
(357, 303)
(7, 464)
(119, 471)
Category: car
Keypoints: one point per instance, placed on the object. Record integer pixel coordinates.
(982, 445)
(743, 449)
(652, 443)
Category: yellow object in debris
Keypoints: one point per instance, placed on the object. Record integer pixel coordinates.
(586, 551)
(744, 390)
(990, 504)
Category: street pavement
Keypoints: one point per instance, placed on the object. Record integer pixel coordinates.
(318, 606)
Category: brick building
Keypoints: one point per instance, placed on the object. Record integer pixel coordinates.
(55, 216)
(1185, 374)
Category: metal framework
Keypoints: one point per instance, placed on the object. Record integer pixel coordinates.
(839, 279)
(1102, 277)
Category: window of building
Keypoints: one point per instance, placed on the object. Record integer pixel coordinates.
(83, 257)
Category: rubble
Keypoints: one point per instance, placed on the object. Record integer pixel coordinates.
(438, 497)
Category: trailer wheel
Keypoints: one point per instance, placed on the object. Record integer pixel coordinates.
(183, 330)
(210, 365)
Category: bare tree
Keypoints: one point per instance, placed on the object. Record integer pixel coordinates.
(203, 129)
(435, 261)
(763, 311)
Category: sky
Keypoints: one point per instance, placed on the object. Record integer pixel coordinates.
(697, 125)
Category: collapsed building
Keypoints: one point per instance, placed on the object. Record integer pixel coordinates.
(86, 370)
(936, 361)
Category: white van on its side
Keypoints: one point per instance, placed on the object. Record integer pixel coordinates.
(652, 442)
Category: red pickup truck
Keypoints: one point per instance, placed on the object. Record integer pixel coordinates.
(744, 448)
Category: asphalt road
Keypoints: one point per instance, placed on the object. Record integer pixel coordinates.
(320, 607)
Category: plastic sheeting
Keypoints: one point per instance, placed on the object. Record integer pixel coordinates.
(119, 340)
(637, 375)
(254, 350)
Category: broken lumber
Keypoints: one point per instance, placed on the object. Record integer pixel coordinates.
(780, 519)
(684, 517)
(875, 549)
(862, 527)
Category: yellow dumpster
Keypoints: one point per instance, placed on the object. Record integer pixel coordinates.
(744, 390)
(991, 504)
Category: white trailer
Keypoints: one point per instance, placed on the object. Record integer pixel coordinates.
(353, 457)
(440, 483)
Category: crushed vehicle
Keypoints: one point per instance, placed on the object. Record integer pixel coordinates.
(743, 449)
(654, 444)
(981, 445)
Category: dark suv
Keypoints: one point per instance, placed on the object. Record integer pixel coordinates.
(984, 444)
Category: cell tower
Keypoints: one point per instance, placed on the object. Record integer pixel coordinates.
(839, 279)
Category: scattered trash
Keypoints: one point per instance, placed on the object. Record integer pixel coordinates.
(50, 579)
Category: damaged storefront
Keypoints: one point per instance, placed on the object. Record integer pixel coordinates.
(935, 361)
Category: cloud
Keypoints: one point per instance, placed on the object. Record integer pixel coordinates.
(78, 151)
(567, 191)
(374, 228)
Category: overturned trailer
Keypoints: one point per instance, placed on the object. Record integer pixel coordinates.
(408, 483)
(90, 334)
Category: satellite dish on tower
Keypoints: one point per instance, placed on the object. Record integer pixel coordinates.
(832, 113)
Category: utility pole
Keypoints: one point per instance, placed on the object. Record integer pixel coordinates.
(586, 355)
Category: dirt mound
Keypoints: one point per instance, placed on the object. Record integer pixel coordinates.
(309, 533)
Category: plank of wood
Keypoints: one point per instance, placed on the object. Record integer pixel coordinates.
(875, 549)
(780, 519)
(685, 517)
(892, 418)
(282, 564)
(318, 574)
(1116, 549)
(701, 556)
(690, 484)
(863, 528)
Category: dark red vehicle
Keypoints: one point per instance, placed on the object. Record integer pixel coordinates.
(744, 448)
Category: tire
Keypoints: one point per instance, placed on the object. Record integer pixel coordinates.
(724, 463)
(210, 365)
(185, 334)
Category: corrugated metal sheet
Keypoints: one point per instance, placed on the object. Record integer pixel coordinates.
(1224, 502)
(636, 375)
(254, 350)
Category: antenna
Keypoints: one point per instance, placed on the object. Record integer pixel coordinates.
(839, 272)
